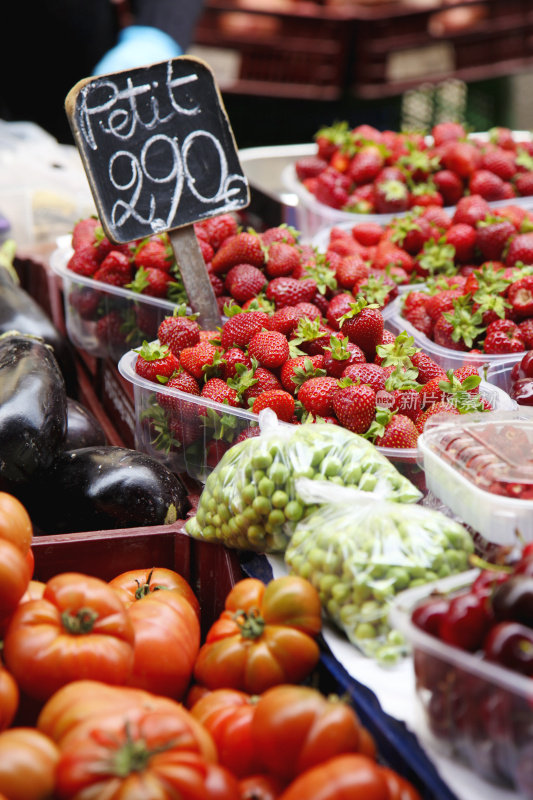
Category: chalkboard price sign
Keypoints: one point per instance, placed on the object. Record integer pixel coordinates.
(157, 148)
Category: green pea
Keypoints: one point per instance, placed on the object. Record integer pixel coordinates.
(330, 466)
(368, 482)
(276, 517)
(248, 493)
(294, 511)
(266, 487)
(278, 473)
(261, 460)
(279, 499)
(364, 631)
(262, 506)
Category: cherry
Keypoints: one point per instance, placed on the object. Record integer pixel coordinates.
(428, 615)
(511, 645)
(487, 580)
(526, 364)
(513, 600)
(525, 565)
(466, 622)
(522, 391)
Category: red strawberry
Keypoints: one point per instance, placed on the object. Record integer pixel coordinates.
(400, 432)
(85, 232)
(526, 332)
(280, 233)
(447, 132)
(520, 249)
(110, 329)
(309, 310)
(290, 291)
(299, 369)
(242, 248)
(206, 250)
(282, 259)
(503, 339)
(350, 270)
(239, 329)
(524, 183)
(198, 358)
(492, 236)
(427, 367)
(462, 157)
(151, 281)
(284, 320)
(85, 301)
(520, 295)
(367, 233)
(178, 331)
(265, 380)
(155, 252)
(463, 239)
(363, 325)
(390, 197)
(470, 210)
(317, 395)
(443, 331)
(269, 348)
(332, 188)
(501, 162)
(449, 185)
(244, 282)
(487, 185)
(339, 305)
(278, 400)
(437, 408)
(218, 390)
(232, 357)
(366, 164)
(220, 228)
(419, 317)
(182, 382)
(309, 167)
(84, 260)
(339, 354)
(355, 407)
(441, 301)
(372, 374)
(156, 361)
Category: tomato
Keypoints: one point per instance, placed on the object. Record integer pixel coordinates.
(14, 577)
(15, 522)
(265, 636)
(9, 698)
(148, 757)
(30, 560)
(167, 641)
(399, 787)
(34, 590)
(227, 714)
(295, 728)
(194, 693)
(28, 760)
(260, 787)
(345, 777)
(138, 583)
(78, 629)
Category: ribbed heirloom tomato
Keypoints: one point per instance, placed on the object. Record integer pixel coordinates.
(78, 629)
(138, 583)
(346, 777)
(9, 698)
(28, 760)
(265, 636)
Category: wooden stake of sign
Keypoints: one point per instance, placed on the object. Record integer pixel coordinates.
(159, 154)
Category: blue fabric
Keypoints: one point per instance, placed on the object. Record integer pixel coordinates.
(138, 46)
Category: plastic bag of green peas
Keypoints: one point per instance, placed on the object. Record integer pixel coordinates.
(360, 551)
(250, 500)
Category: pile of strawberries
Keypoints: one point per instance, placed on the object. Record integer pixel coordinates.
(363, 170)
(347, 370)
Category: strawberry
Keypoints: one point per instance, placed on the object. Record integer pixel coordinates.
(282, 259)
(499, 161)
(470, 210)
(487, 185)
(492, 236)
(299, 369)
(232, 357)
(339, 305)
(290, 291)
(244, 282)
(350, 270)
(444, 332)
(309, 310)
(332, 188)
(239, 328)
(427, 367)
(199, 358)
(178, 331)
(363, 325)
(278, 400)
(110, 329)
(425, 195)
(372, 374)
(441, 407)
(390, 197)
(84, 260)
(355, 406)
(367, 233)
(85, 301)
(463, 238)
(420, 319)
(400, 432)
(242, 248)
(218, 390)
(317, 395)
(520, 296)
(441, 301)
(155, 252)
(524, 183)
(366, 164)
(280, 233)
(406, 401)
(449, 185)
(150, 281)
(85, 232)
(269, 348)
(503, 338)
(520, 249)
(339, 354)
(461, 157)
(206, 250)
(183, 382)
(264, 381)
(309, 167)
(220, 228)
(526, 332)
(284, 320)
(388, 255)
(447, 132)
(156, 362)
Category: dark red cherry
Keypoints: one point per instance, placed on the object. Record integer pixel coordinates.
(522, 391)
(513, 600)
(487, 580)
(466, 622)
(511, 645)
(526, 364)
(428, 615)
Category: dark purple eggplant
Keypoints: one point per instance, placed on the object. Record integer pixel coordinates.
(20, 312)
(33, 409)
(105, 488)
(83, 429)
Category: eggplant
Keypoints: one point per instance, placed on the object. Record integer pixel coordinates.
(33, 409)
(20, 312)
(105, 488)
(83, 429)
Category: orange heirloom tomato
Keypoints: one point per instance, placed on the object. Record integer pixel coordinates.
(260, 787)
(78, 629)
(295, 728)
(265, 636)
(138, 583)
(227, 714)
(15, 522)
(149, 757)
(346, 777)
(15, 574)
(28, 761)
(167, 641)
(9, 698)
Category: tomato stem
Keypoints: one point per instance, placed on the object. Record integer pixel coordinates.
(251, 623)
(79, 622)
(134, 756)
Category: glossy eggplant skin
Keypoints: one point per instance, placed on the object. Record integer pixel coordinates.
(106, 488)
(83, 429)
(20, 312)
(33, 409)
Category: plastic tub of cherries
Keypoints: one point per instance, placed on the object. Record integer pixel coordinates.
(517, 380)
(471, 637)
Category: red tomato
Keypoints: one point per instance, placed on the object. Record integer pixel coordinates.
(15, 522)
(138, 583)
(28, 760)
(399, 787)
(14, 577)
(155, 758)
(78, 629)
(295, 728)
(227, 714)
(260, 787)
(346, 777)
(167, 641)
(9, 698)
(265, 636)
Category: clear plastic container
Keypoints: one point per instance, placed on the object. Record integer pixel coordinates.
(481, 467)
(477, 712)
(88, 303)
(445, 356)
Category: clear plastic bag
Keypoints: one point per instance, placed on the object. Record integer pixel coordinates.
(250, 500)
(359, 552)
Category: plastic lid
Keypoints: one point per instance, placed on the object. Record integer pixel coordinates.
(493, 450)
